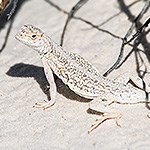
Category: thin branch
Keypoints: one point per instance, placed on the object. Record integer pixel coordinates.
(7, 35)
(97, 27)
(83, 20)
(56, 6)
(142, 12)
(139, 31)
(70, 16)
(110, 18)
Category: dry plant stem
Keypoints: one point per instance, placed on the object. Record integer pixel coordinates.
(129, 32)
(70, 16)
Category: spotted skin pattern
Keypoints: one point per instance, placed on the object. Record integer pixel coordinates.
(80, 75)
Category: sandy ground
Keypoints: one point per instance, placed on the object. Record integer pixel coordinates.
(64, 126)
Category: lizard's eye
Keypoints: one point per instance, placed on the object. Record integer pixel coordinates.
(33, 36)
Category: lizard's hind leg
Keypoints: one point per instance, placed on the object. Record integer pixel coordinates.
(103, 106)
(103, 118)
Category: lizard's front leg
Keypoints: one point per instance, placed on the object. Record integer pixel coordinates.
(49, 75)
(104, 107)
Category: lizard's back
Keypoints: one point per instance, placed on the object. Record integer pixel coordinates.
(84, 79)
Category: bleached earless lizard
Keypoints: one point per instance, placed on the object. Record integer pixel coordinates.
(80, 75)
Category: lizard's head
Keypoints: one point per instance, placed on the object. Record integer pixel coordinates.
(30, 36)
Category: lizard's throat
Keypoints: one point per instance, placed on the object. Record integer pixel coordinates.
(42, 50)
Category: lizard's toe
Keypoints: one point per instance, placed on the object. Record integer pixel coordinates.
(44, 105)
(103, 118)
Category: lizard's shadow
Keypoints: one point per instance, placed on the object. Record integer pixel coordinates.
(26, 70)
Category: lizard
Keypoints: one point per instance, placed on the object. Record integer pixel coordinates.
(81, 76)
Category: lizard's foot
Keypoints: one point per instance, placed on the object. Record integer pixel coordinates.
(44, 105)
(103, 118)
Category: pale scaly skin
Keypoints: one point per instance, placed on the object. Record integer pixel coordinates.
(81, 76)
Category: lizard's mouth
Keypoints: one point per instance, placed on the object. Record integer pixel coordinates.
(20, 37)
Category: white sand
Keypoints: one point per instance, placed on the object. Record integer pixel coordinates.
(64, 126)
